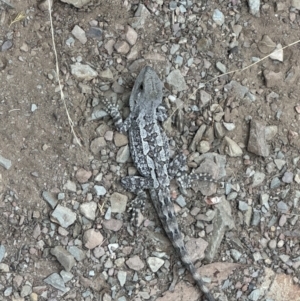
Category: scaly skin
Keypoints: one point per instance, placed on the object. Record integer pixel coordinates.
(150, 153)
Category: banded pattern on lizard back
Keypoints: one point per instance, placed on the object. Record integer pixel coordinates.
(150, 153)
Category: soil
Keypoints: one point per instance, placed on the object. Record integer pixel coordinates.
(45, 155)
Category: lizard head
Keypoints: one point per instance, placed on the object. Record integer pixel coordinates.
(147, 91)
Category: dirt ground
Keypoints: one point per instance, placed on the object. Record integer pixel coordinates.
(262, 257)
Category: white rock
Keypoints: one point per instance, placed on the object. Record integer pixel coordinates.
(83, 72)
(88, 210)
(277, 54)
(155, 263)
(79, 34)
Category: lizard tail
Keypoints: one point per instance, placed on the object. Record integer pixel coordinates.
(199, 280)
(176, 239)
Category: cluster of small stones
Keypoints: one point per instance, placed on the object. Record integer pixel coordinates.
(88, 216)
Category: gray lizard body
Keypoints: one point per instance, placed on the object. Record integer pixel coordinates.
(150, 153)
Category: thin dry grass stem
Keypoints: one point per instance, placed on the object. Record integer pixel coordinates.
(237, 70)
(19, 17)
(62, 96)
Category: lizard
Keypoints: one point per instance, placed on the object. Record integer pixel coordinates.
(149, 150)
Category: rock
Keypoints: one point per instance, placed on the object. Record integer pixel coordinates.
(130, 35)
(266, 45)
(83, 72)
(277, 54)
(273, 79)
(77, 3)
(236, 255)
(5, 162)
(180, 200)
(254, 7)
(120, 139)
(296, 4)
(122, 47)
(79, 34)
(271, 132)
(117, 88)
(6, 45)
(4, 268)
(85, 89)
(64, 216)
(17, 281)
(221, 67)
(257, 143)
(174, 48)
(283, 207)
(118, 202)
(140, 17)
(50, 198)
(205, 98)
(88, 210)
(100, 190)
(275, 183)
(173, 5)
(109, 46)
(123, 154)
(281, 6)
(243, 206)
(56, 281)
(176, 80)
(236, 89)
(229, 126)
(134, 53)
(113, 224)
(258, 178)
(219, 130)
(36, 231)
(203, 44)
(203, 147)
(66, 276)
(77, 253)
(98, 252)
(2, 252)
(135, 263)
(122, 277)
(94, 33)
(8, 292)
(279, 163)
(83, 175)
(97, 144)
(106, 75)
(272, 97)
(196, 248)
(44, 5)
(71, 186)
(155, 263)
(197, 138)
(232, 149)
(288, 177)
(92, 238)
(64, 257)
(221, 223)
(255, 294)
(218, 17)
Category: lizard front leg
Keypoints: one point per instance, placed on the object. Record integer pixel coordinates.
(113, 111)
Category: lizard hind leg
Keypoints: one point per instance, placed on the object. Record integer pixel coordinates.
(137, 207)
(137, 185)
(177, 165)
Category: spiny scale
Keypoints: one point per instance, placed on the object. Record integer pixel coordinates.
(150, 153)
